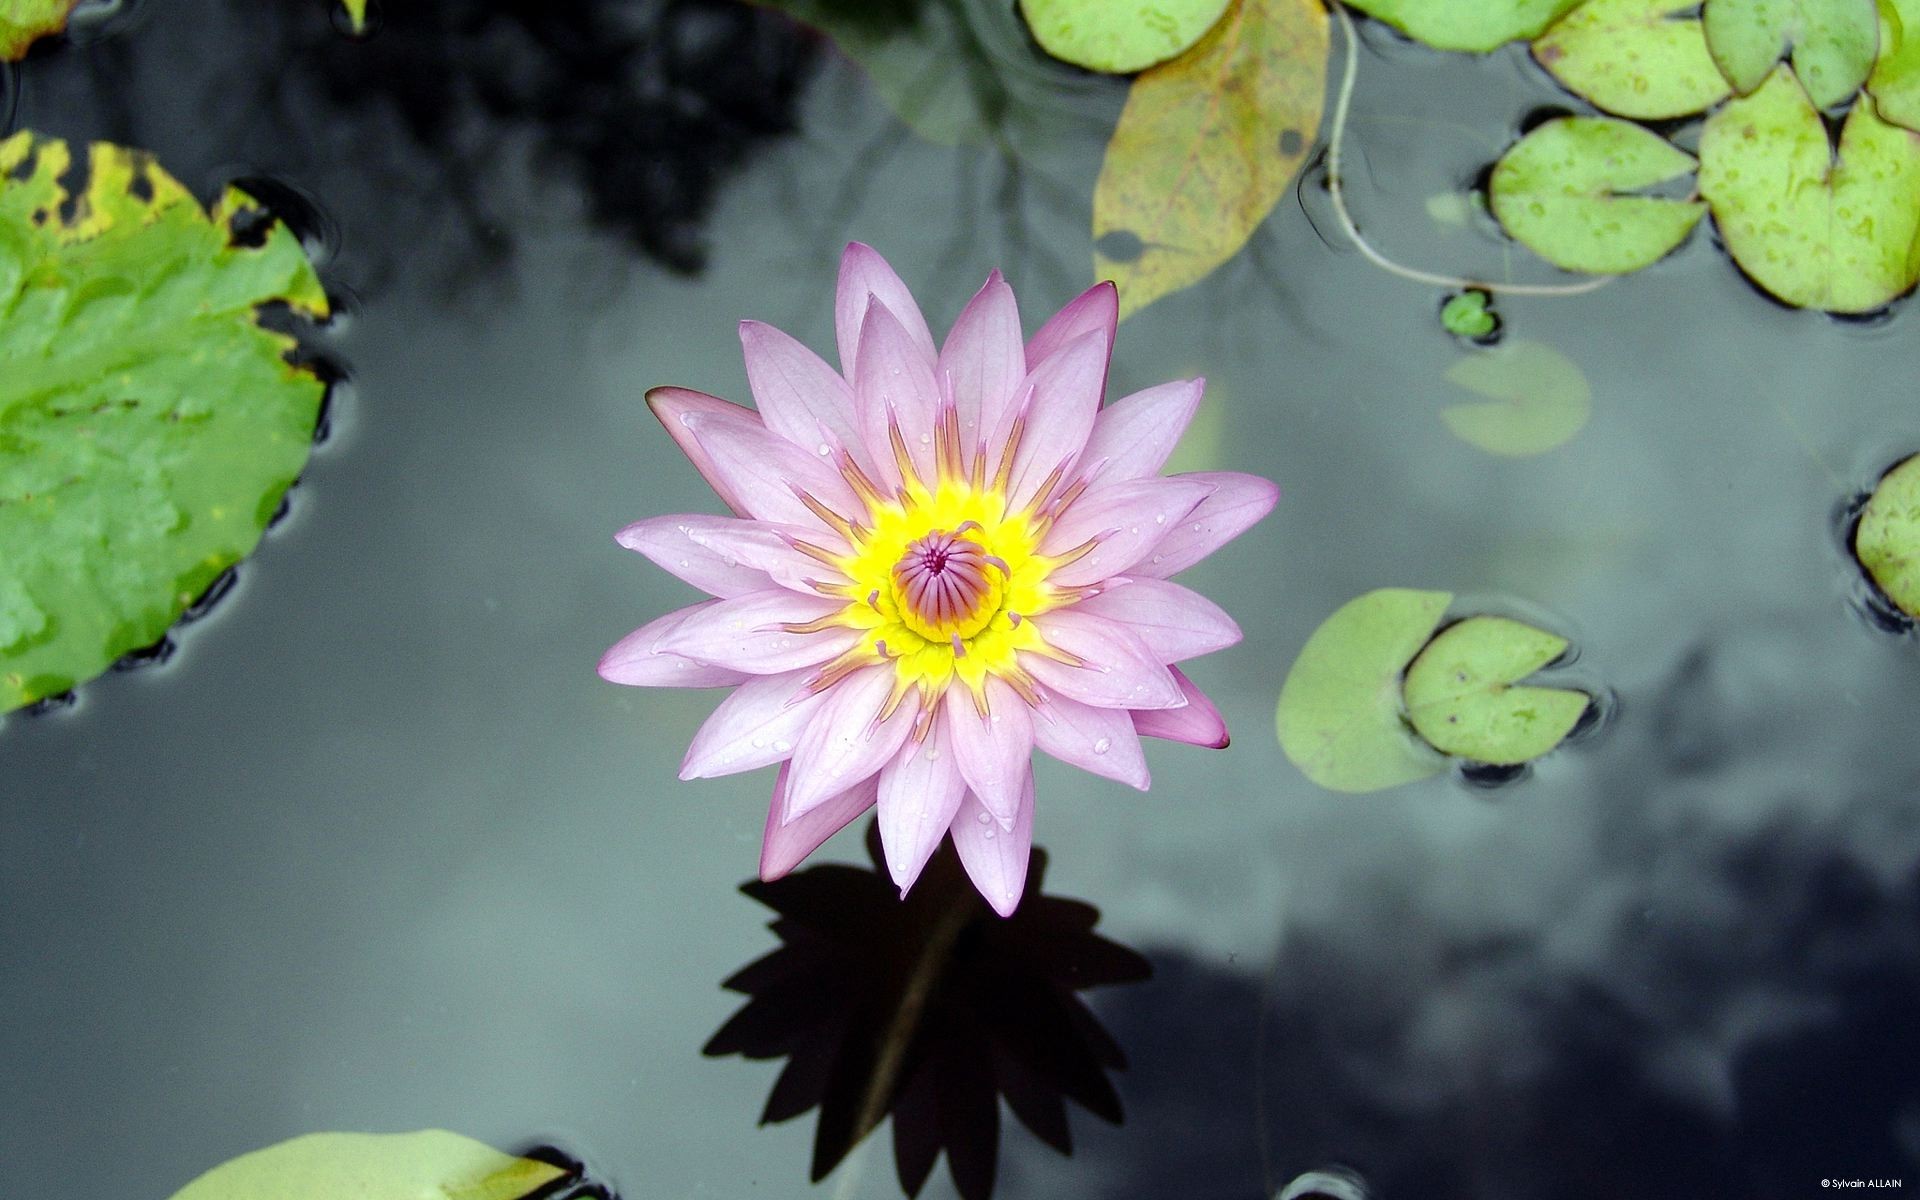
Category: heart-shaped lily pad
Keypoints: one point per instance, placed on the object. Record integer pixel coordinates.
(430, 1165)
(1537, 399)
(1834, 42)
(1469, 314)
(1475, 25)
(1462, 696)
(1637, 58)
(1118, 36)
(1887, 541)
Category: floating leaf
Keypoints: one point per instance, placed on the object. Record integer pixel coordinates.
(430, 1165)
(1562, 192)
(356, 14)
(1461, 696)
(24, 22)
(1637, 58)
(1815, 230)
(1833, 41)
(1340, 718)
(1539, 399)
(1895, 82)
(1206, 146)
(1119, 37)
(148, 424)
(1475, 25)
(1468, 315)
(1887, 542)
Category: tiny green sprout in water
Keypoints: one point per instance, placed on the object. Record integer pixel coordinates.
(1470, 315)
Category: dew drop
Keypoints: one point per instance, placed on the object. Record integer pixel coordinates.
(1158, 557)
(759, 743)
(1103, 745)
(926, 439)
(933, 754)
(985, 819)
(684, 563)
(1159, 518)
(825, 450)
(988, 834)
(1136, 529)
(1196, 527)
(782, 745)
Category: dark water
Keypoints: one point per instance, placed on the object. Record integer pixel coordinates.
(377, 850)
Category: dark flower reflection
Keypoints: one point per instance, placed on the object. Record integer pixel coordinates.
(929, 1009)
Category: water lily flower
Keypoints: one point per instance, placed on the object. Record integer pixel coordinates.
(942, 559)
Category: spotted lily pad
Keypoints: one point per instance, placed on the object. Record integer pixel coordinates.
(1895, 82)
(1833, 41)
(1563, 192)
(24, 22)
(1462, 696)
(1341, 719)
(148, 423)
(1637, 58)
(1815, 229)
(430, 1165)
(1887, 541)
(1537, 399)
(1475, 25)
(1118, 36)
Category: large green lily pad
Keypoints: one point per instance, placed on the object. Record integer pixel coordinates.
(1895, 82)
(1637, 58)
(1887, 541)
(148, 424)
(1119, 36)
(1340, 717)
(1462, 696)
(430, 1165)
(1537, 399)
(24, 22)
(1563, 192)
(1815, 229)
(1474, 25)
(1834, 42)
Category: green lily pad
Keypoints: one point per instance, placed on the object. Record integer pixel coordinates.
(1475, 25)
(1636, 58)
(1469, 314)
(1816, 230)
(356, 14)
(1538, 399)
(1887, 541)
(1895, 82)
(1461, 696)
(148, 424)
(24, 22)
(1119, 37)
(1834, 43)
(1340, 717)
(430, 1165)
(1561, 191)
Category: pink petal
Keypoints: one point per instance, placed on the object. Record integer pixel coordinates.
(724, 556)
(1066, 390)
(1128, 520)
(785, 846)
(1100, 740)
(1097, 308)
(638, 660)
(1118, 670)
(1236, 503)
(674, 407)
(864, 273)
(847, 742)
(747, 633)
(1198, 724)
(768, 472)
(996, 858)
(800, 397)
(768, 550)
(920, 790)
(1134, 436)
(894, 383)
(995, 752)
(1175, 622)
(985, 360)
(757, 725)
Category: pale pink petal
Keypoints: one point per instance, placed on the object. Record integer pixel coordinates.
(785, 846)
(1065, 399)
(984, 359)
(768, 550)
(769, 473)
(996, 858)
(637, 659)
(749, 633)
(864, 273)
(1096, 308)
(1134, 436)
(800, 397)
(920, 790)
(724, 556)
(1127, 522)
(1175, 622)
(1197, 724)
(1117, 670)
(847, 740)
(894, 384)
(757, 725)
(1100, 740)
(675, 407)
(995, 751)
(1236, 503)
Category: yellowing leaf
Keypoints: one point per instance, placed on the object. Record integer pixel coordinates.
(1476, 25)
(1888, 539)
(1539, 399)
(1833, 41)
(1206, 146)
(1636, 58)
(24, 22)
(429, 1165)
(1461, 696)
(1118, 36)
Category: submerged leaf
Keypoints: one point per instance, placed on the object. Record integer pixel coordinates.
(1206, 147)
(1561, 192)
(1340, 717)
(1466, 24)
(148, 424)
(1461, 695)
(1887, 541)
(1119, 38)
(24, 22)
(1895, 82)
(430, 1165)
(1539, 399)
(1833, 42)
(1638, 58)
(1817, 231)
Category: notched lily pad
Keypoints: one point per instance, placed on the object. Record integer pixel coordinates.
(1470, 315)
(1833, 41)
(1887, 540)
(1119, 36)
(1537, 399)
(24, 22)
(1636, 58)
(430, 1165)
(1563, 192)
(1462, 694)
(1475, 25)
(148, 424)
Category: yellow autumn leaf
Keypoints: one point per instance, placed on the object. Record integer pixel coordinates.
(1206, 146)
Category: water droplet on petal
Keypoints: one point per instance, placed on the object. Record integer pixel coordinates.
(825, 450)
(933, 754)
(1158, 557)
(1196, 527)
(985, 819)
(988, 833)
(759, 743)
(684, 563)
(1159, 518)
(1103, 745)
(782, 745)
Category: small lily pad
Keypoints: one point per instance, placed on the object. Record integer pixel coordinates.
(1562, 192)
(1834, 43)
(356, 14)
(1119, 36)
(24, 22)
(1895, 82)
(1475, 25)
(1461, 697)
(430, 1165)
(1636, 58)
(1887, 541)
(1538, 399)
(1469, 314)
(1340, 717)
